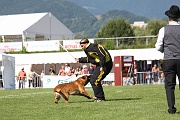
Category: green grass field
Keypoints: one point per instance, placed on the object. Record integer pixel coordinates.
(139, 102)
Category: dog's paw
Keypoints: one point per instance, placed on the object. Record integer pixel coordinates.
(94, 98)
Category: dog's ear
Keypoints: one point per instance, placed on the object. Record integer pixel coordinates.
(84, 77)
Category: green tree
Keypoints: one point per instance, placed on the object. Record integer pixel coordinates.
(139, 31)
(116, 28)
(154, 26)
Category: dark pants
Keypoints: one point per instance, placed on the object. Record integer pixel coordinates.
(97, 77)
(171, 68)
(33, 83)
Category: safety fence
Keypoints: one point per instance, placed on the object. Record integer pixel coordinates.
(126, 42)
(137, 79)
(149, 78)
(35, 82)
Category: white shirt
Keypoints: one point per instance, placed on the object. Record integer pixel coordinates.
(67, 69)
(42, 74)
(159, 43)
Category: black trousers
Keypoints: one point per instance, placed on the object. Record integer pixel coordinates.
(171, 68)
(97, 77)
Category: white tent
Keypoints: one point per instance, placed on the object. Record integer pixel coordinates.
(7, 71)
(35, 26)
(66, 57)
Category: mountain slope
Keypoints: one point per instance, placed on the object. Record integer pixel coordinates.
(153, 9)
(113, 14)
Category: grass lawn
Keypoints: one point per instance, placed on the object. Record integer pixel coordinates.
(139, 102)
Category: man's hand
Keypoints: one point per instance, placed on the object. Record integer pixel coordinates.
(77, 60)
(101, 69)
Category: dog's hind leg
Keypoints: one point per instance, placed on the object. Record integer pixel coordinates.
(65, 96)
(57, 97)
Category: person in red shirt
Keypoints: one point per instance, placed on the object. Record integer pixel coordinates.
(21, 78)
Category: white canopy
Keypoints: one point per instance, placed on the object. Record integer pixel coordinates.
(139, 54)
(65, 57)
(31, 25)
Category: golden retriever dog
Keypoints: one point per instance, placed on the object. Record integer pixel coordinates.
(73, 88)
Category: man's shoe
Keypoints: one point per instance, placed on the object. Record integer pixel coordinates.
(172, 111)
(98, 100)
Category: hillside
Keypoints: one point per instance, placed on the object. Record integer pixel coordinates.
(76, 18)
(153, 9)
(113, 14)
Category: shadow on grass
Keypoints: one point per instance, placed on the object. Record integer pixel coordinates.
(178, 112)
(108, 100)
(123, 99)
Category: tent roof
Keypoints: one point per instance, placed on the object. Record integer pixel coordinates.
(16, 24)
(64, 57)
(7, 55)
(139, 54)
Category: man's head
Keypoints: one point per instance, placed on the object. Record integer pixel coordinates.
(173, 12)
(84, 42)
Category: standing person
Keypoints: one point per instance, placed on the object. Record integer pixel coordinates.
(32, 78)
(41, 75)
(98, 55)
(155, 72)
(21, 78)
(168, 42)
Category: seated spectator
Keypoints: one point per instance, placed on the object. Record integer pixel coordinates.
(62, 71)
(85, 70)
(71, 72)
(51, 71)
(91, 68)
(78, 72)
(67, 68)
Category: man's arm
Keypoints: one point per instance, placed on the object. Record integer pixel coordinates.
(159, 44)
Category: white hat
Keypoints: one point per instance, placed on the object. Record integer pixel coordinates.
(84, 66)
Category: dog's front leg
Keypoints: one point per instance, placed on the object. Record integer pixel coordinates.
(86, 94)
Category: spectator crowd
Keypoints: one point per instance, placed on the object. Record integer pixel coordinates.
(67, 70)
